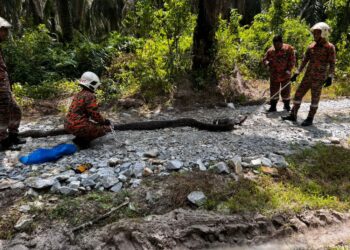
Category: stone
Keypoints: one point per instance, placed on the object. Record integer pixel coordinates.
(24, 208)
(74, 184)
(7, 183)
(109, 181)
(23, 223)
(174, 165)
(65, 175)
(147, 172)
(114, 162)
(221, 168)
(31, 193)
(39, 183)
(56, 187)
(200, 165)
(278, 160)
(105, 172)
(334, 140)
(266, 162)
(197, 197)
(88, 182)
(269, 171)
(122, 178)
(237, 165)
(67, 190)
(255, 163)
(135, 183)
(116, 188)
(137, 169)
(154, 153)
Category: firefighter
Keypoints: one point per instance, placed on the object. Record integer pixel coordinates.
(83, 119)
(320, 57)
(10, 112)
(280, 59)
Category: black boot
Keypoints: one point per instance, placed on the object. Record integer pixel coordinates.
(286, 105)
(7, 144)
(15, 140)
(81, 143)
(273, 106)
(307, 122)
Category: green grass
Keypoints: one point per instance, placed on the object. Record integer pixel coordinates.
(323, 170)
(317, 178)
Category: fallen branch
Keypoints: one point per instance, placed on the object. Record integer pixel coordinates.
(221, 126)
(89, 223)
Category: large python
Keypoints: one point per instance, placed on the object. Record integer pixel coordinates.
(218, 125)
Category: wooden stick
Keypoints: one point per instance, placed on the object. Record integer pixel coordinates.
(89, 223)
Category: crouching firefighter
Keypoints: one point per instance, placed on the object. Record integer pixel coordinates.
(280, 59)
(83, 119)
(10, 112)
(320, 57)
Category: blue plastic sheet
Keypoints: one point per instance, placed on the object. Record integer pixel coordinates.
(42, 155)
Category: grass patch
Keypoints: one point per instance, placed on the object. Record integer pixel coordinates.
(323, 170)
(78, 210)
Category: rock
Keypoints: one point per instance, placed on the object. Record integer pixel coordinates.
(266, 162)
(31, 193)
(39, 183)
(278, 160)
(147, 172)
(74, 184)
(7, 183)
(67, 190)
(269, 171)
(114, 162)
(108, 171)
(24, 208)
(334, 140)
(56, 187)
(23, 223)
(230, 105)
(65, 175)
(152, 153)
(116, 188)
(135, 183)
(174, 165)
(122, 178)
(18, 185)
(109, 181)
(88, 182)
(200, 165)
(221, 168)
(137, 169)
(237, 165)
(197, 197)
(255, 163)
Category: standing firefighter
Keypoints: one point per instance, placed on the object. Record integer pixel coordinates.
(280, 59)
(10, 113)
(83, 119)
(320, 57)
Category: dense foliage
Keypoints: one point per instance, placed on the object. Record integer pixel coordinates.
(153, 49)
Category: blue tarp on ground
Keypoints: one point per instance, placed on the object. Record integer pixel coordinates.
(42, 155)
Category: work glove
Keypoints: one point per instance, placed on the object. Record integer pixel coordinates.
(328, 82)
(107, 122)
(294, 77)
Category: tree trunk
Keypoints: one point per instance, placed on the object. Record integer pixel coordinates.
(63, 8)
(204, 35)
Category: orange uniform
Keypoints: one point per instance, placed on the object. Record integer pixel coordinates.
(83, 119)
(281, 63)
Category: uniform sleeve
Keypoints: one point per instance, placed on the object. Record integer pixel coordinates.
(266, 57)
(291, 59)
(92, 109)
(306, 59)
(331, 59)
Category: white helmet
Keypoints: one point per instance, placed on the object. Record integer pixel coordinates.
(90, 80)
(325, 29)
(4, 23)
